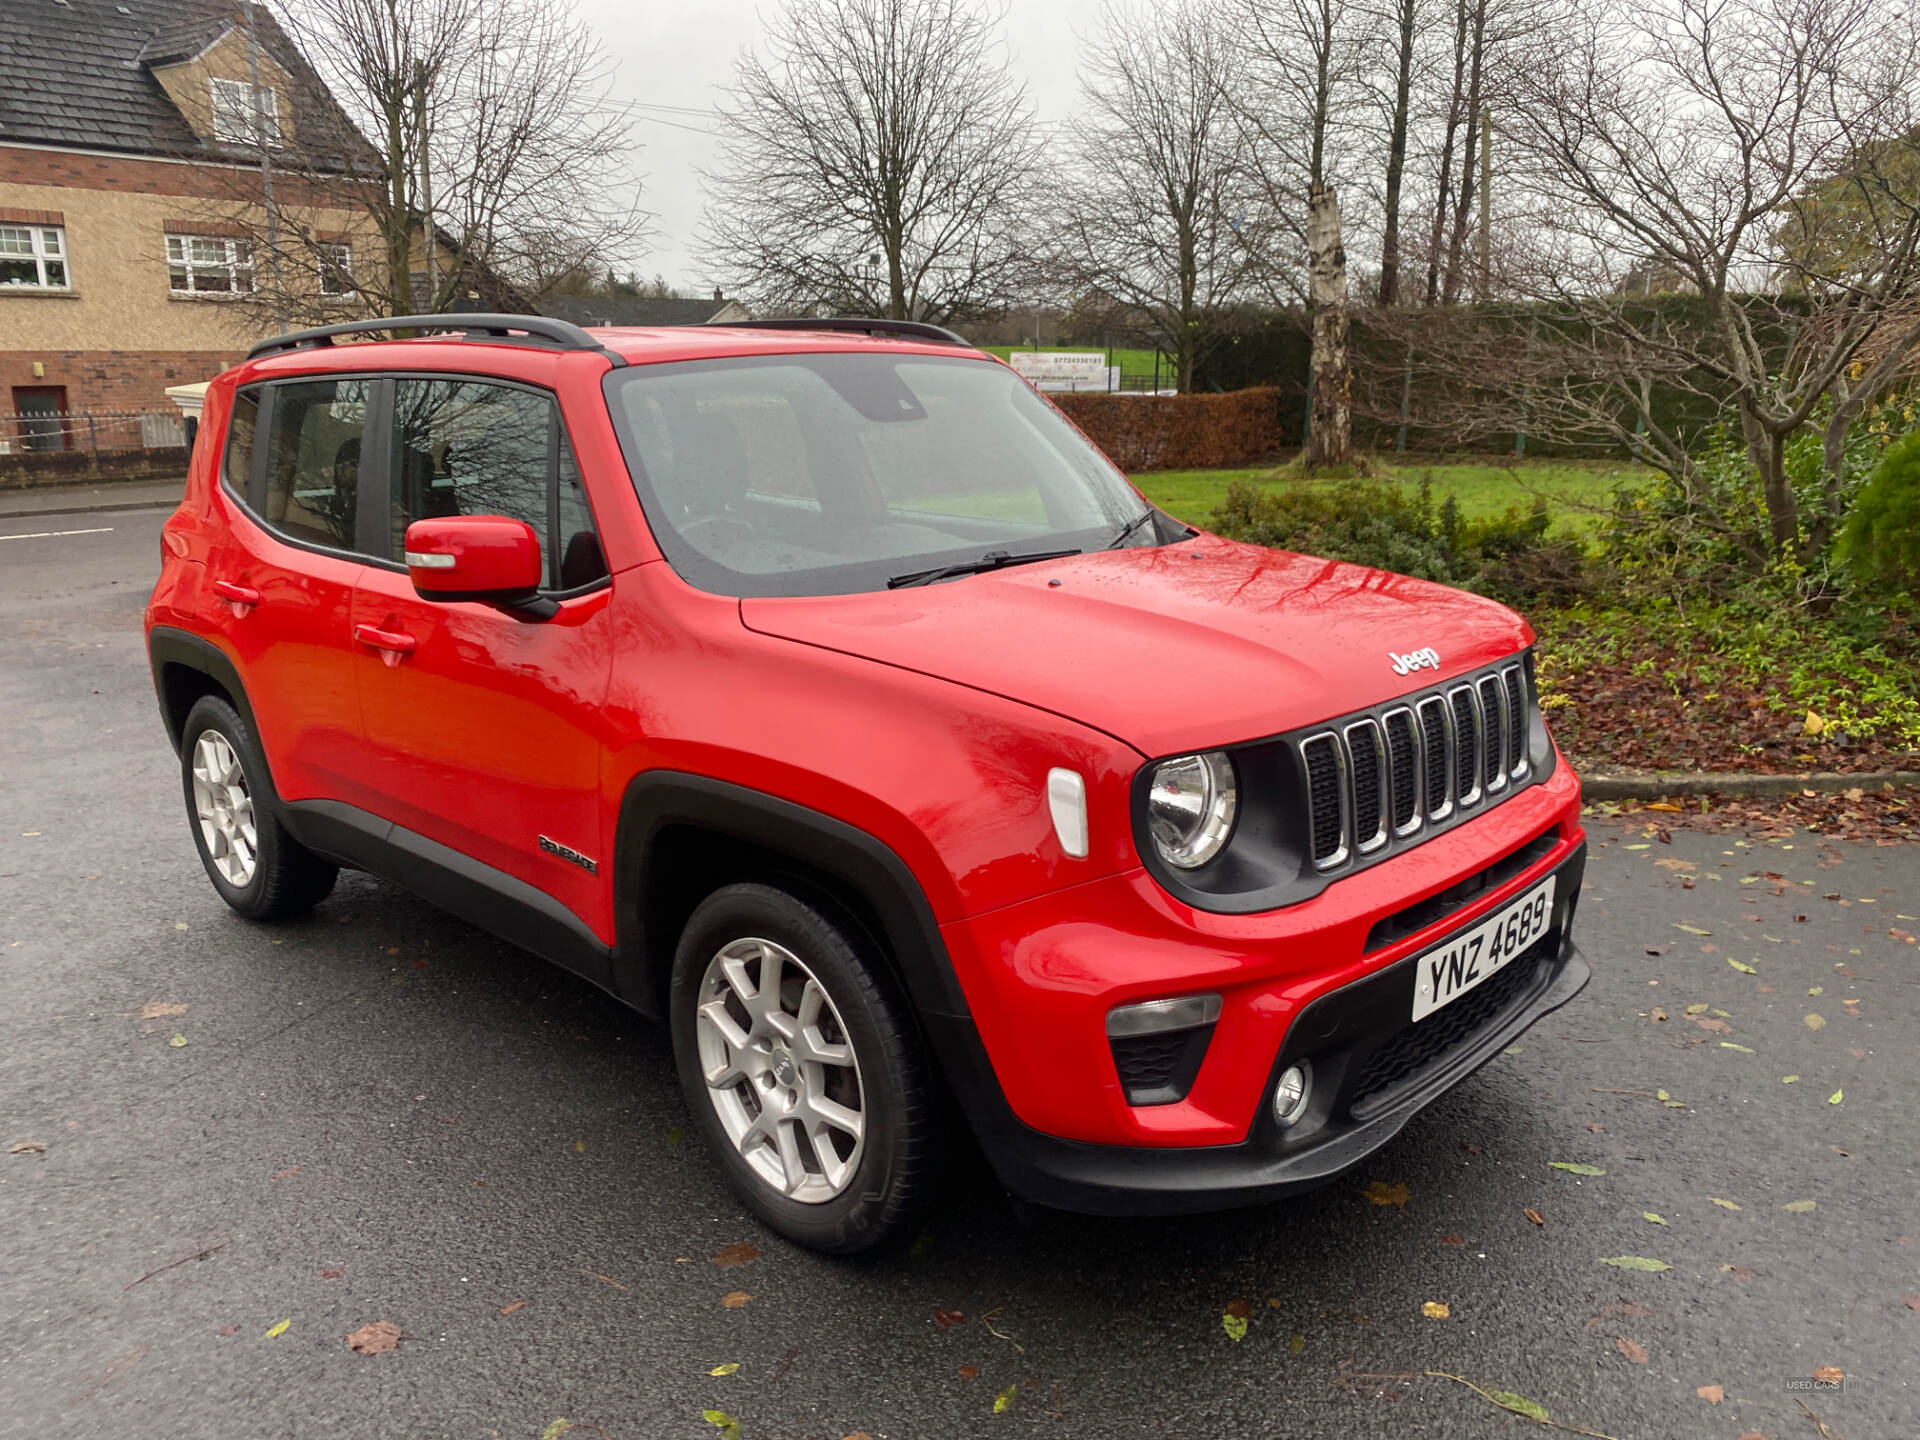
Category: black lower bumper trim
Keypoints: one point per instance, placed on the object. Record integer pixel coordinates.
(1337, 1033)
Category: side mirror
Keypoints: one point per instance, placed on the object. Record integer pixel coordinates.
(475, 557)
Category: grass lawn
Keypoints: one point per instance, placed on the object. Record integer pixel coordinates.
(1575, 489)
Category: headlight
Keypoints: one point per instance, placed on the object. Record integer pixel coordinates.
(1190, 808)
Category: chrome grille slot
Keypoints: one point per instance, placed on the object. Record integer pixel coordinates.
(1436, 758)
(1516, 721)
(1366, 759)
(1493, 730)
(1466, 743)
(1403, 756)
(1326, 798)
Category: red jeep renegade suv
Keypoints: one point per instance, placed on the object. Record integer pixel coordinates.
(818, 688)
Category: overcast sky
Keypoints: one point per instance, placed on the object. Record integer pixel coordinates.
(682, 54)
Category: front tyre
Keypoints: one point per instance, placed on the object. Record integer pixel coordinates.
(802, 1070)
(258, 868)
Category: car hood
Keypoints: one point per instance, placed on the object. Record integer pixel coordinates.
(1173, 648)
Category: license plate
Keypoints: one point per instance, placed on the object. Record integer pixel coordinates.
(1472, 957)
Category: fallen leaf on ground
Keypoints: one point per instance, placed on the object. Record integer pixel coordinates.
(1699, 1009)
(279, 1329)
(1534, 1215)
(1594, 1127)
(1789, 1079)
(1834, 1099)
(1739, 1272)
(509, 1309)
(1712, 1394)
(226, 1330)
(1723, 1204)
(945, 1319)
(1635, 1262)
(969, 1372)
(285, 1174)
(1381, 1193)
(1815, 1022)
(1742, 966)
(728, 1426)
(1243, 1309)
(1801, 1207)
(27, 1147)
(374, 1339)
(1817, 990)
(734, 1299)
(1296, 1343)
(1692, 929)
(332, 1272)
(1649, 1215)
(732, 1367)
(1235, 1326)
(1519, 1404)
(177, 1041)
(1453, 1239)
(1912, 1302)
(1729, 1045)
(738, 1253)
(1436, 1310)
(1574, 1169)
(156, 1009)
(1004, 1399)
(1633, 1350)
(555, 1429)
(1829, 1373)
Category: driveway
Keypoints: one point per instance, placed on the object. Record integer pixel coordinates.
(224, 1148)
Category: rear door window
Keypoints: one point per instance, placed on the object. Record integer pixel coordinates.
(313, 468)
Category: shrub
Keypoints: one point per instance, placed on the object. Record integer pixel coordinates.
(1509, 556)
(1179, 432)
(1881, 542)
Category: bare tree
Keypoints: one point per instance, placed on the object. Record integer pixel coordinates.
(880, 160)
(495, 160)
(1158, 212)
(1705, 140)
(1399, 22)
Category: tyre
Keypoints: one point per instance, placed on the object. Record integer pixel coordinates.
(803, 1070)
(258, 868)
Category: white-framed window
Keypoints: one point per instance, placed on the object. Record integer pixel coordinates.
(209, 265)
(245, 114)
(336, 268)
(34, 257)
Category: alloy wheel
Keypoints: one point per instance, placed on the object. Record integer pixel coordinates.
(224, 808)
(780, 1070)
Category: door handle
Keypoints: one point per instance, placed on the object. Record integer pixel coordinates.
(393, 645)
(242, 596)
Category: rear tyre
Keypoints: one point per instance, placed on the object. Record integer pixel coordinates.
(258, 868)
(802, 1069)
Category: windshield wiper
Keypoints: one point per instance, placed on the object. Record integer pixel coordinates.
(992, 560)
(1132, 525)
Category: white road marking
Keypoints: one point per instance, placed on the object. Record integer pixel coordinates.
(50, 534)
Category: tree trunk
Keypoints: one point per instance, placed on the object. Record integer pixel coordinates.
(1767, 451)
(1454, 101)
(1463, 206)
(1331, 442)
(1397, 160)
(399, 226)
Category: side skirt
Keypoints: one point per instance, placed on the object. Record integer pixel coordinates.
(455, 882)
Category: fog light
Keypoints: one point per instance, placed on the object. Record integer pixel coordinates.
(1290, 1094)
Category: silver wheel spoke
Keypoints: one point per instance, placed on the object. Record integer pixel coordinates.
(224, 808)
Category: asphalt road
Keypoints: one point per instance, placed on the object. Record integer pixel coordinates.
(381, 1114)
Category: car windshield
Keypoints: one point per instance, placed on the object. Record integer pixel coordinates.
(826, 474)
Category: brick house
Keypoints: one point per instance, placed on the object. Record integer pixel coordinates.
(132, 185)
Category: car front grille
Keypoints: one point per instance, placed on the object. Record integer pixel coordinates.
(1427, 1041)
(1382, 778)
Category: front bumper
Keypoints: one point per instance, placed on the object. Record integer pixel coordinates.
(1338, 1033)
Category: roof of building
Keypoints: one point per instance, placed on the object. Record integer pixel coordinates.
(634, 310)
(79, 73)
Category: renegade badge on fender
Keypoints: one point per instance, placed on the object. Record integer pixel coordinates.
(817, 688)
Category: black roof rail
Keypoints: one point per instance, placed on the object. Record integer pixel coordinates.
(539, 327)
(914, 329)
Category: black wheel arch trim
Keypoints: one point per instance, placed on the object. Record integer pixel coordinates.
(658, 800)
(169, 646)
